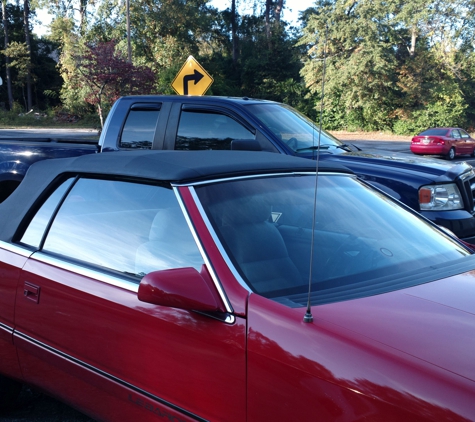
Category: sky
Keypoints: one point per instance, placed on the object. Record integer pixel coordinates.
(290, 12)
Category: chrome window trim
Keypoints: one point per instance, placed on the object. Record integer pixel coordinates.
(105, 374)
(209, 226)
(254, 176)
(201, 249)
(105, 278)
(16, 249)
(6, 328)
(216, 240)
(86, 272)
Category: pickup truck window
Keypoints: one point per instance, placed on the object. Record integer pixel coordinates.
(126, 227)
(297, 131)
(199, 130)
(139, 129)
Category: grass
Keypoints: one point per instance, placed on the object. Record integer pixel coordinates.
(11, 120)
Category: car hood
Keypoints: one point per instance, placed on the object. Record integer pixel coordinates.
(447, 171)
(434, 322)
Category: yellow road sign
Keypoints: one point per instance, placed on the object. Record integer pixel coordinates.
(192, 79)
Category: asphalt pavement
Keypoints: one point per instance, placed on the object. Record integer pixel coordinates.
(400, 147)
(34, 406)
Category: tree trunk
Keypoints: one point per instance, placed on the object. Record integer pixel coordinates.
(82, 16)
(268, 28)
(278, 10)
(26, 24)
(7, 59)
(412, 51)
(129, 46)
(234, 31)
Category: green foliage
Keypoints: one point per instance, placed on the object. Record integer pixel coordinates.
(16, 118)
(389, 64)
(19, 60)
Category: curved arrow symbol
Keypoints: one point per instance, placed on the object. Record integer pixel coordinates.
(197, 76)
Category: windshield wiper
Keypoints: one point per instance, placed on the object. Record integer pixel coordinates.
(344, 147)
(313, 147)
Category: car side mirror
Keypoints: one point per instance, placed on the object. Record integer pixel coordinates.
(183, 288)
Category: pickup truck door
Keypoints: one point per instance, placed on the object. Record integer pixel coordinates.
(205, 126)
(84, 336)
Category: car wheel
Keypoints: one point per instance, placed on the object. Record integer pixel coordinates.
(473, 153)
(451, 154)
(9, 390)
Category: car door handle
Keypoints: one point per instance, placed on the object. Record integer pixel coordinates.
(31, 292)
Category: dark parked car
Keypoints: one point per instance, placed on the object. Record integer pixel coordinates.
(446, 141)
(169, 285)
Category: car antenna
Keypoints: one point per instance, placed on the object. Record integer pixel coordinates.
(308, 317)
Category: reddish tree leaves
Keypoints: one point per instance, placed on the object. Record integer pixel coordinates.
(109, 75)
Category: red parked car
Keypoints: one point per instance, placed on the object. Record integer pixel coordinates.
(447, 141)
(183, 286)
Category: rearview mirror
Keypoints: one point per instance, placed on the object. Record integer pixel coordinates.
(183, 288)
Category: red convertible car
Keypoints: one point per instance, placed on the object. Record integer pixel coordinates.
(208, 286)
(447, 141)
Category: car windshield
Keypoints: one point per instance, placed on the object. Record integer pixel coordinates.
(293, 128)
(434, 132)
(364, 242)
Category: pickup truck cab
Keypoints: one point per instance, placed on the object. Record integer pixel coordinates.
(441, 191)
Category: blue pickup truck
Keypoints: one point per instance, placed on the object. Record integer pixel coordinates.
(441, 191)
(16, 156)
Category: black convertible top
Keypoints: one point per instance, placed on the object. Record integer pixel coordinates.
(170, 166)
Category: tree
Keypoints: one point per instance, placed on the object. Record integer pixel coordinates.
(388, 61)
(26, 23)
(7, 59)
(109, 75)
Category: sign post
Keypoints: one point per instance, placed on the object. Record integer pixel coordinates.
(192, 79)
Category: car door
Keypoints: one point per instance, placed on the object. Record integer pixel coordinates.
(458, 142)
(469, 143)
(12, 260)
(84, 336)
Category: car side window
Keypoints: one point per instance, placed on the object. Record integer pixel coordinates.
(126, 227)
(199, 130)
(456, 134)
(36, 229)
(139, 129)
(464, 134)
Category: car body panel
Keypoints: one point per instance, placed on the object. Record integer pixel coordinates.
(356, 377)
(74, 314)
